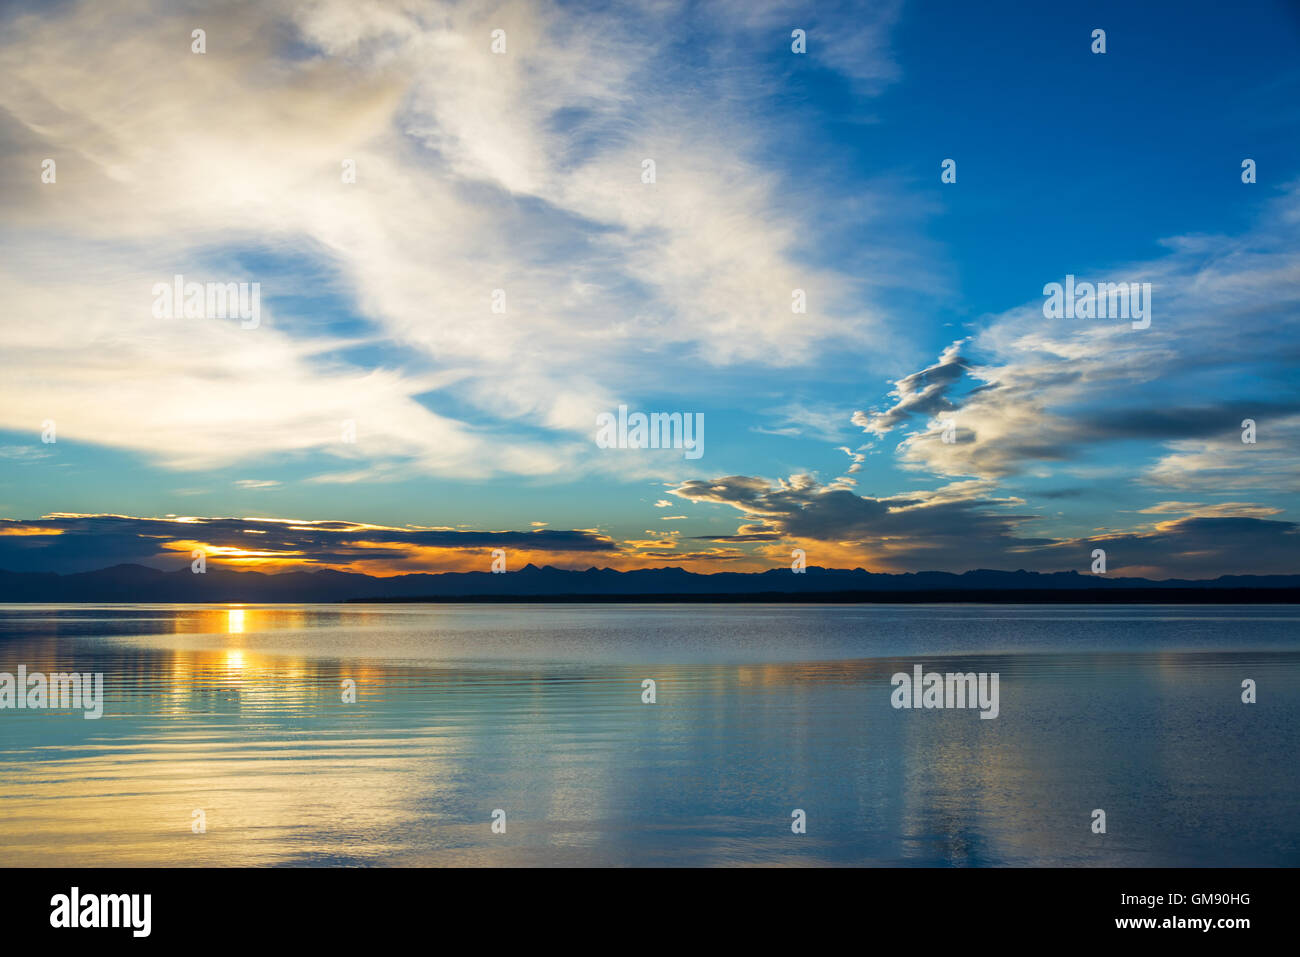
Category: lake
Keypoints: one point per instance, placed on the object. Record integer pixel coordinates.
(226, 738)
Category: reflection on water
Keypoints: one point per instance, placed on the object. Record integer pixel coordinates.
(239, 711)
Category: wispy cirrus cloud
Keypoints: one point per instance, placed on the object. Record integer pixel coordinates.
(475, 172)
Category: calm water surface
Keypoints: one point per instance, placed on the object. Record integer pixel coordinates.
(536, 710)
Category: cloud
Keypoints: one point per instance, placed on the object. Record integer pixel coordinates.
(1224, 462)
(1027, 392)
(923, 393)
(1221, 510)
(475, 172)
(70, 542)
(961, 526)
(1199, 547)
(798, 420)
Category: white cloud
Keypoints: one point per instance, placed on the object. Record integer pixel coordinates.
(475, 172)
(1028, 393)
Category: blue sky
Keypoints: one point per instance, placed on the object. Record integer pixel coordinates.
(522, 171)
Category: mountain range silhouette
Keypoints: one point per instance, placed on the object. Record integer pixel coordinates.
(140, 583)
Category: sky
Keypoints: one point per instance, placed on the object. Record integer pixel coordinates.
(463, 261)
